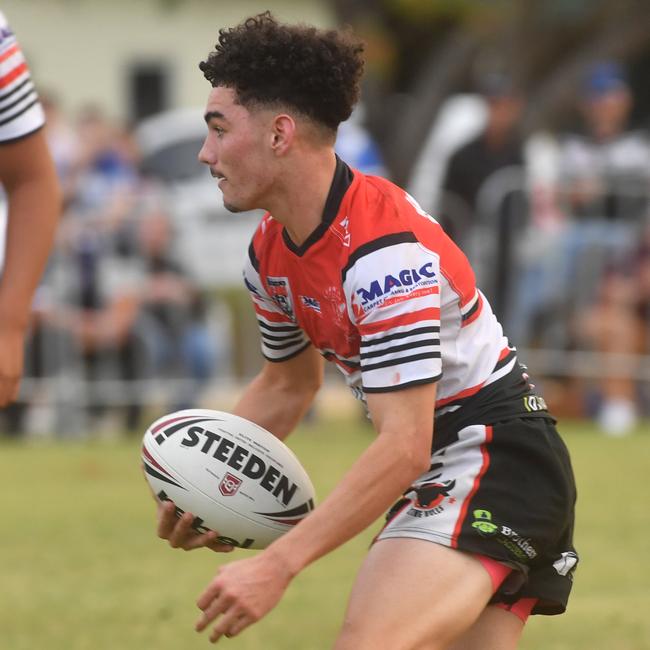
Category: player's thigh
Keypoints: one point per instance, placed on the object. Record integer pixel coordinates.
(413, 594)
(495, 629)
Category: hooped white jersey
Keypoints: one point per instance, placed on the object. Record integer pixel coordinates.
(381, 291)
(20, 111)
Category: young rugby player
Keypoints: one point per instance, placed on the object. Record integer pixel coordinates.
(29, 179)
(347, 267)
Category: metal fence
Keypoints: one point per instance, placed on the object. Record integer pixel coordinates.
(152, 338)
(571, 287)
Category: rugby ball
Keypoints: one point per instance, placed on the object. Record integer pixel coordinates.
(235, 477)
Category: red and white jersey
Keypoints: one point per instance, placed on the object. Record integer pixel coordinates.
(381, 291)
(20, 110)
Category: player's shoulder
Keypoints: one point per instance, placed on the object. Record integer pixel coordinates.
(378, 208)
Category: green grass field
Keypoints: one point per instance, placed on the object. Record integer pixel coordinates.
(82, 569)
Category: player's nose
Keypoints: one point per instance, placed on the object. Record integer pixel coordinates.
(207, 154)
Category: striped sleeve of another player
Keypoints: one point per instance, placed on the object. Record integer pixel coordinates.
(20, 110)
(394, 297)
(280, 337)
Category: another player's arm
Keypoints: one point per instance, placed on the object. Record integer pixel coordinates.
(34, 199)
(276, 399)
(282, 392)
(242, 592)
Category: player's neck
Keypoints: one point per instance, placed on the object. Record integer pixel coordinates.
(299, 200)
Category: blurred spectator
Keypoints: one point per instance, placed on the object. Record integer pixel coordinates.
(497, 147)
(611, 325)
(603, 187)
(601, 192)
(172, 313)
(63, 142)
(605, 172)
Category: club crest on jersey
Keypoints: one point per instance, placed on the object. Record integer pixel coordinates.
(280, 293)
(403, 283)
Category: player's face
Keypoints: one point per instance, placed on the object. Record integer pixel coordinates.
(235, 149)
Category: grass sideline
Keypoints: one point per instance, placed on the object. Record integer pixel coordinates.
(81, 568)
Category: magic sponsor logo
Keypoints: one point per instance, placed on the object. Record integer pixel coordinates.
(397, 284)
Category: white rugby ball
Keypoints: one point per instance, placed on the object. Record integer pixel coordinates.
(235, 477)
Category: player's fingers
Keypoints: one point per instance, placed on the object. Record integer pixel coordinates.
(238, 626)
(209, 595)
(226, 624)
(208, 540)
(166, 519)
(182, 531)
(219, 605)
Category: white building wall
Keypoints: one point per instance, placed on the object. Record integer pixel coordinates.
(81, 49)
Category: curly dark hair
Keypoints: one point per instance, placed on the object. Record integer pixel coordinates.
(316, 72)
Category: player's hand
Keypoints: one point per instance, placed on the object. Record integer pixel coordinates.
(180, 534)
(12, 341)
(242, 593)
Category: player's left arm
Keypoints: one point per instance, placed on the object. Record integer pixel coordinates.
(244, 591)
(34, 200)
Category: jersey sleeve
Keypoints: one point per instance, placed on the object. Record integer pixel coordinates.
(281, 337)
(393, 294)
(20, 111)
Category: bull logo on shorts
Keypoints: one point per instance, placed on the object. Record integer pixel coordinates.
(430, 495)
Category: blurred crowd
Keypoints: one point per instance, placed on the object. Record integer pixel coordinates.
(557, 226)
(560, 228)
(116, 307)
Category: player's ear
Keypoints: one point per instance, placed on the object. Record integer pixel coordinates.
(283, 132)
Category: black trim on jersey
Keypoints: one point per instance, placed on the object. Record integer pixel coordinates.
(375, 245)
(400, 360)
(355, 365)
(268, 337)
(341, 181)
(289, 356)
(408, 384)
(432, 329)
(278, 328)
(16, 89)
(11, 118)
(17, 101)
(284, 346)
(472, 311)
(253, 257)
(399, 348)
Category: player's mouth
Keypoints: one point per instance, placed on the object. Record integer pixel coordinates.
(220, 177)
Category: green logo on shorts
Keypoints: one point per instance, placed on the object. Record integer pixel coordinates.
(483, 522)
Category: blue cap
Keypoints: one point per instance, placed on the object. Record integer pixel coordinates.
(604, 77)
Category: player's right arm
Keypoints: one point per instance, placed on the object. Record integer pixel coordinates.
(282, 392)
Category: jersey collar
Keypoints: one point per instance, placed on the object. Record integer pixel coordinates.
(342, 180)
